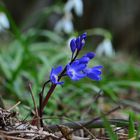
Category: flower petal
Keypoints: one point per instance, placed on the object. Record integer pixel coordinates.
(57, 70)
(94, 72)
(80, 67)
(94, 76)
(54, 75)
(78, 7)
(90, 55)
(98, 67)
(73, 45)
(84, 60)
(78, 43)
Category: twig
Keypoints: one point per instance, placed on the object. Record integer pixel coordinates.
(40, 108)
(96, 122)
(27, 132)
(96, 119)
(35, 106)
(99, 94)
(14, 106)
(131, 104)
(120, 128)
(109, 112)
(12, 138)
(1, 102)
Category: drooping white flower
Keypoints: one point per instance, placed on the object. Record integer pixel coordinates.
(65, 24)
(77, 5)
(4, 23)
(105, 48)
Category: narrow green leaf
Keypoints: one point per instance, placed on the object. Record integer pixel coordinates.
(4, 68)
(131, 132)
(138, 132)
(109, 129)
(18, 59)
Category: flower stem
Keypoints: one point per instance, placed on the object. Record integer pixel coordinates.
(45, 101)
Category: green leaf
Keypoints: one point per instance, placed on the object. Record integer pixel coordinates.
(138, 131)
(131, 132)
(109, 129)
(5, 68)
(52, 36)
(18, 59)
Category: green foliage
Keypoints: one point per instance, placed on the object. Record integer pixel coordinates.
(119, 76)
(109, 129)
(32, 61)
(131, 132)
(138, 132)
(29, 59)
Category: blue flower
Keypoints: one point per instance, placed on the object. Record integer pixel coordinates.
(74, 70)
(73, 45)
(90, 55)
(94, 73)
(78, 69)
(54, 75)
(78, 42)
(87, 57)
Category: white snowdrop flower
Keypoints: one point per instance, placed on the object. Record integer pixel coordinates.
(69, 6)
(105, 48)
(4, 23)
(65, 24)
(77, 5)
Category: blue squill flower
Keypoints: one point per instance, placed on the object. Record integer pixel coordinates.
(78, 43)
(94, 73)
(87, 57)
(90, 55)
(78, 69)
(73, 45)
(54, 75)
(75, 69)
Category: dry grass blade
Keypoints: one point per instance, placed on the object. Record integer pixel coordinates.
(35, 106)
(14, 106)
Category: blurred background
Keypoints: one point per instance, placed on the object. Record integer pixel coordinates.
(35, 35)
(121, 18)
